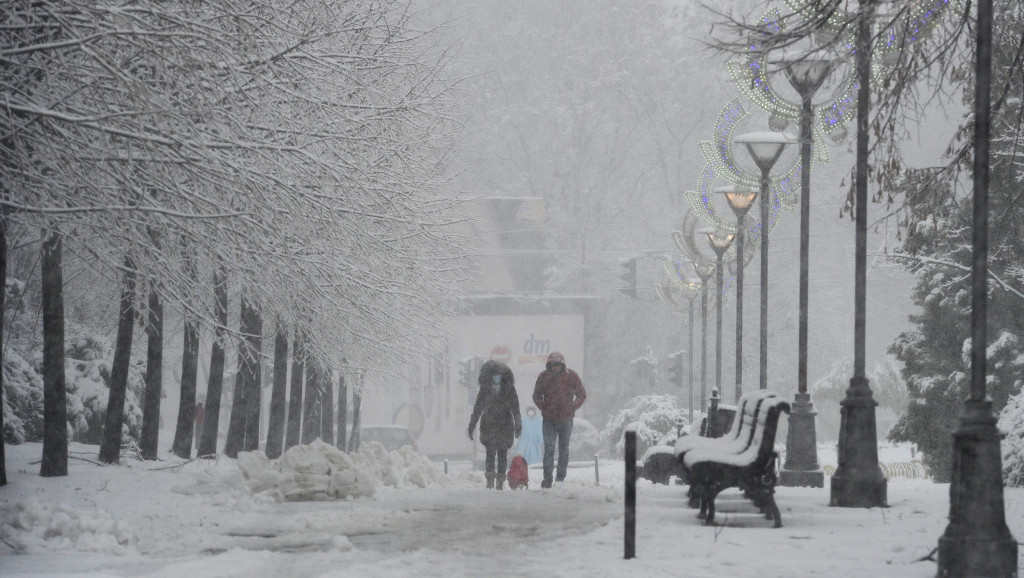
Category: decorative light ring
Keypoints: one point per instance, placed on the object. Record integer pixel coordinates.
(673, 270)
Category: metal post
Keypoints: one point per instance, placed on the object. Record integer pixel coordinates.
(858, 481)
(719, 277)
(801, 466)
(630, 498)
(597, 472)
(976, 541)
(765, 182)
(739, 304)
(703, 342)
(690, 365)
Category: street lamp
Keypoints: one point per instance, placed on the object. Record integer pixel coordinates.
(976, 541)
(740, 199)
(704, 271)
(765, 148)
(858, 481)
(690, 296)
(806, 71)
(719, 242)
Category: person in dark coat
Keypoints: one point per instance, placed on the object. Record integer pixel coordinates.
(558, 393)
(497, 410)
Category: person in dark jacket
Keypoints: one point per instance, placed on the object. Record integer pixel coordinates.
(558, 394)
(497, 410)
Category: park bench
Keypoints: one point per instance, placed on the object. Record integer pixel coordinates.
(737, 437)
(660, 463)
(747, 461)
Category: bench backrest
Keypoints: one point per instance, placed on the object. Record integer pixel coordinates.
(755, 447)
(738, 438)
(762, 444)
(752, 411)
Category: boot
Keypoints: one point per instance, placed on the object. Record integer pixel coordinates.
(490, 479)
(546, 483)
(500, 479)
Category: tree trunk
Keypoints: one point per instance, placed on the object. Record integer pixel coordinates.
(292, 436)
(342, 412)
(275, 430)
(149, 437)
(327, 403)
(110, 447)
(55, 408)
(236, 423)
(353, 440)
(311, 403)
(183, 431)
(215, 383)
(3, 294)
(253, 376)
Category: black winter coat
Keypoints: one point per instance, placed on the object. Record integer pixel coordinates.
(497, 409)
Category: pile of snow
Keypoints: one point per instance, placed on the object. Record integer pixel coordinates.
(31, 527)
(319, 471)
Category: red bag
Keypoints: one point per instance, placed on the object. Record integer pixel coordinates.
(518, 473)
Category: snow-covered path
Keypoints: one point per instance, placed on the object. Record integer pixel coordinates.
(199, 520)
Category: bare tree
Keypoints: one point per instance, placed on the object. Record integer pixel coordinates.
(215, 383)
(295, 408)
(154, 377)
(278, 401)
(342, 437)
(184, 428)
(55, 422)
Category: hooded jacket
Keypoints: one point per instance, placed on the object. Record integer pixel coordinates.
(497, 409)
(558, 396)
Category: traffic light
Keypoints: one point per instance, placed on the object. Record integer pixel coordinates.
(466, 371)
(675, 369)
(629, 276)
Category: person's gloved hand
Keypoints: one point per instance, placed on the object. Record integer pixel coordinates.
(471, 433)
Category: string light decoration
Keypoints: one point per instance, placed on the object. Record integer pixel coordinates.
(908, 23)
(720, 163)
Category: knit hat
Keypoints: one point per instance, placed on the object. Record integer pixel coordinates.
(556, 357)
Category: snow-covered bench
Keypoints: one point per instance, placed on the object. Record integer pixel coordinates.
(738, 435)
(660, 462)
(747, 462)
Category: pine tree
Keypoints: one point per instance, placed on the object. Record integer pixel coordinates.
(938, 249)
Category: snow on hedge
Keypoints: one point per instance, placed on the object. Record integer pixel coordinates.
(653, 417)
(319, 471)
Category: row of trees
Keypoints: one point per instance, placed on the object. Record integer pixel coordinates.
(290, 154)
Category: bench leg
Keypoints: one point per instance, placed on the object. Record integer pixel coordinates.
(694, 496)
(708, 504)
(773, 512)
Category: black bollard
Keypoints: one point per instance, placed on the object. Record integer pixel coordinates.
(597, 473)
(446, 466)
(630, 494)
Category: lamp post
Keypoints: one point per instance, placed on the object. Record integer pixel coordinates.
(765, 148)
(704, 271)
(858, 481)
(690, 296)
(806, 72)
(976, 541)
(719, 242)
(740, 200)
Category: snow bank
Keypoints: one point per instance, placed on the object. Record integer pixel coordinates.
(319, 471)
(31, 527)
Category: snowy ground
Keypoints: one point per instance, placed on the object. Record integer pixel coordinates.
(203, 519)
